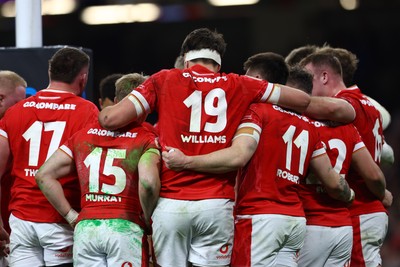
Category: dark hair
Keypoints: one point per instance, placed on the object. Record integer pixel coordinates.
(323, 58)
(107, 86)
(270, 66)
(348, 61)
(297, 54)
(67, 63)
(301, 79)
(204, 38)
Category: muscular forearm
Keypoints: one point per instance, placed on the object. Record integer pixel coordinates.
(293, 99)
(149, 181)
(220, 161)
(328, 108)
(53, 191)
(372, 174)
(342, 191)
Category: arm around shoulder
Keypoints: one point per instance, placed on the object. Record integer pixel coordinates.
(330, 108)
(118, 115)
(220, 161)
(293, 98)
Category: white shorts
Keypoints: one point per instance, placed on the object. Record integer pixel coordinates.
(326, 246)
(111, 242)
(200, 232)
(39, 244)
(369, 232)
(267, 240)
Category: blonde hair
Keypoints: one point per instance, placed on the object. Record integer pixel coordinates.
(10, 80)
(128, 82)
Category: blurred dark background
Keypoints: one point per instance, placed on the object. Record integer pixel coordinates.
(371, 32)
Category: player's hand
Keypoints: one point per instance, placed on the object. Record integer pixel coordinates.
(4, 241)
(388, 199)
(71, 217)
(173, 158)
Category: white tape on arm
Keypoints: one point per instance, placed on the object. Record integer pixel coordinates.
(137, 105)
(71, 216)
(275, 95)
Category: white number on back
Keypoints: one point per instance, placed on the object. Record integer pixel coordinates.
(34, 136)
(92, 161)
(301, 142)
(378, 141)
(214, 105)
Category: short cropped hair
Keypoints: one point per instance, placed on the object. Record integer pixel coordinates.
(271, 67)
(321, 59)
(67, 63)
(348, 61)
(9, 80)
(107, 86)
(128, 82)
(300, 78)
(297, 54)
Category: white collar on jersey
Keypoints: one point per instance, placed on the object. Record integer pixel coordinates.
(203, 53)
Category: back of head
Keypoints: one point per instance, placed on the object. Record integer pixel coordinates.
(301, 79)
(323, 60)
(9, 80)
(66, 64)
(125, 84)
(297, 54)
(267, 66)
(348, 61)
(107, 86)
(204, 44)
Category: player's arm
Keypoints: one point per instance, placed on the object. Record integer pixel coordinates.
(121, 114)
(388, 199)
(291, 98)
(220, 161)
(57, 166)
(330, 108)
(335, 185)
(4, 155)
(149, 181)
(372, 174)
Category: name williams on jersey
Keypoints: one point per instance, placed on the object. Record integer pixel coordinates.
(204, 139)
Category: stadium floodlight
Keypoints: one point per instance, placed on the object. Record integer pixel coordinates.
(232, 2)
(49, 7)
(114, 14)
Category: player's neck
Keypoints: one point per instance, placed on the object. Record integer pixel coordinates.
(210, 67)
(61, 86)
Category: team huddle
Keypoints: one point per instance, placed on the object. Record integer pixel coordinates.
(278, 167)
